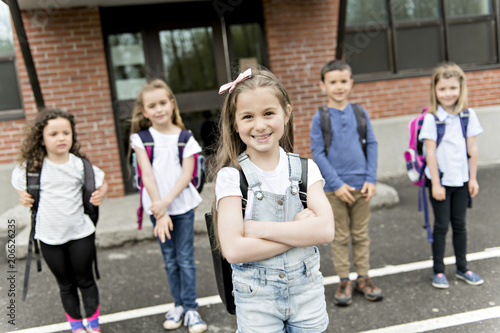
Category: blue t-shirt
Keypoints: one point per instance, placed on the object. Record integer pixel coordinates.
(346, 162)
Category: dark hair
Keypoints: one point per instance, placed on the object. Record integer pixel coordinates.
(33, 150)
(334, 65)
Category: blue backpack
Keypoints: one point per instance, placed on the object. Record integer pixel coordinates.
(198, 179)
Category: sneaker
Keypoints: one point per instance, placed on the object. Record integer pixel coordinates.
(174, 318)
(470, 278)
(343, 294)
(194, 323)
(79, 330)
(365, 286)
(439, 281)
(93, 329)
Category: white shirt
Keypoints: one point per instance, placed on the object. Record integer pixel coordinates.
(60, 216)
(451, 153)
(167, 170)
(276, 181)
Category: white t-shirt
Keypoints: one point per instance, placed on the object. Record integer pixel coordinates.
(276, 181)
(451, 154)
(60, 216)
(167, 170)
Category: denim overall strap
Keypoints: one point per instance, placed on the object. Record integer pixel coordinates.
(250, 174)
(294, 172)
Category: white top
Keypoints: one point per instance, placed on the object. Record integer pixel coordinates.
(451, 153)
(60, 216)
(276, 181)
(167, 170)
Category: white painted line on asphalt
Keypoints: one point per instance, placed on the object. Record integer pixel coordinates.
(442, 322)
(415, 266)
(210, 300)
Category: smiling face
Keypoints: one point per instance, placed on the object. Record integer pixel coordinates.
(260, 120)
(337, 84)
(58, 138)
(158, 107)
(448, 93)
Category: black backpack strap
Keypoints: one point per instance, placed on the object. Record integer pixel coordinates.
(362, 125)
(88, 188)
(183, 139)
(88, 208)
(244, 191)
(326, 127)
(33, 188)
(303, 182)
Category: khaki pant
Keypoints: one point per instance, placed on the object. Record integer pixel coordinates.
(351, 223)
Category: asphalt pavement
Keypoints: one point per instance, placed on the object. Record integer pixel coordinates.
(135, 295)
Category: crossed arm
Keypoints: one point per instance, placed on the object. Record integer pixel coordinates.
(258, 240)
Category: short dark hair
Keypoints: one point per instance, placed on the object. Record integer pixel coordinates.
(334, 65)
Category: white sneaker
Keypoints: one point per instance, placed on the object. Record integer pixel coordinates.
(174, 318)
(194, 323)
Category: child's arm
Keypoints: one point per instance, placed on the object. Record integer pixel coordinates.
(160, 207)
(368, 190)
(25, 198)
(236, 246)
(438, 191)
(473, 155)
(163, 222)
(313, 229)
(99, 194)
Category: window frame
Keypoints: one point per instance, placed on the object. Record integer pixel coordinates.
(14, 113)
(443, 22)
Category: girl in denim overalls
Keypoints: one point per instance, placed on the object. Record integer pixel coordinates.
(277, 284)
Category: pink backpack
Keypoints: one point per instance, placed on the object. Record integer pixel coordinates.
(415, 159)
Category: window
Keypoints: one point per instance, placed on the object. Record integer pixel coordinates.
(10, 99)
(188, 59)
(129, 69)
(387, 37)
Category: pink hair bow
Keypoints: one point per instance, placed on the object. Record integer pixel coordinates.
(230, 86)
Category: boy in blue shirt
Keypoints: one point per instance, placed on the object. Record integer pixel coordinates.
(350, 178)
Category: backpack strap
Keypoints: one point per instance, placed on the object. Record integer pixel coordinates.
(88, 188)
(33, 188)
(92, 211)
(362, 125)
(147, 140)
(184, 137)
(326, 126)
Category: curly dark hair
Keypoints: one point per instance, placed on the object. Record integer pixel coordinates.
(33, 150)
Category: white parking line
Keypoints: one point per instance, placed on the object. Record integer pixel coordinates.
(462, 318)
(442, 322)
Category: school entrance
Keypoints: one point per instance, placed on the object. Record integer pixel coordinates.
(194, 46)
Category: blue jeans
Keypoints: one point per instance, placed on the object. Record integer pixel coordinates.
(178, 255)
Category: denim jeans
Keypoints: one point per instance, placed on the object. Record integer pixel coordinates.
(178, 255)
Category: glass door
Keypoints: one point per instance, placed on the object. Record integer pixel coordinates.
(193, 49)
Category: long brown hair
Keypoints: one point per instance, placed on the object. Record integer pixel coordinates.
(33, 150)
(230, 145)
(446, 71)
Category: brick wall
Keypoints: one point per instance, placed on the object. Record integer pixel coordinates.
(301, 37)
(68, 52)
